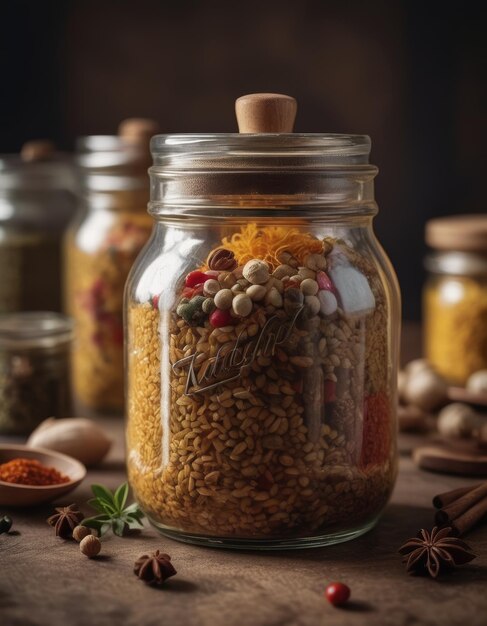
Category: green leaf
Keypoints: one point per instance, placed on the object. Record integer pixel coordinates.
(112, 514)
(103, 494)
(133, 508)
(118, 527)
(101, 506)
(121, 495)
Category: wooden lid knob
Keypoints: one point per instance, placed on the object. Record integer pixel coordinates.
(37, 150)
(138, 129)
(266, 113)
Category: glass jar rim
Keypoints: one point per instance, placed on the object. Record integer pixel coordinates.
(35, 329)
(231, 150)
(456, 263)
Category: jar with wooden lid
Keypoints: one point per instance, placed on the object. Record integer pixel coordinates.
(37, 201)
(455, 296)
(100, 247)
(262, 325)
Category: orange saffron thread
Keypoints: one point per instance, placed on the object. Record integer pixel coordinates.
(268, 242)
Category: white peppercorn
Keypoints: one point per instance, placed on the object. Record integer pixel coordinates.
(223, 299)
(256, 292)
(242, 305)
(313, 304)
(273, 297)
(211, 287)
(309, 287)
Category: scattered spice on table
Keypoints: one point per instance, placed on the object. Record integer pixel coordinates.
(5, 524)
(65, 520)
(154, 568)
(30, 472)
(432, 552)
(337, 594)
(90, 546)
(462, 508)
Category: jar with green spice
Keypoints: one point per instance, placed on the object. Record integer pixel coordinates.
(34, 369)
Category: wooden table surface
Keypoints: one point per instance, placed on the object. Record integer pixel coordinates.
(44, 581)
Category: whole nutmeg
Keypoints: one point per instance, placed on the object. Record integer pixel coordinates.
(80, 532)
(458, 420)
(90, 546)
(222, 260)
(477, 383)
(425, 388)
(256, 272)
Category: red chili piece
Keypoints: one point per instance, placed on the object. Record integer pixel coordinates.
(220, 318)
(196, 278)
(337, 593)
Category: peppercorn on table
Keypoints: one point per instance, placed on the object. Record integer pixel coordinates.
(47, 582)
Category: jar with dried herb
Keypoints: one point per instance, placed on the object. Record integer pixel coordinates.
(34, 369)
(100, 248)
(455, 296)
(262, 337)
(37, 201)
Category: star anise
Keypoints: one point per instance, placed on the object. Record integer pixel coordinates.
(222, 260)
(432, 552)
(65, 520)
(154, 568)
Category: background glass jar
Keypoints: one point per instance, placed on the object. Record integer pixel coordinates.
(34, 369)
(262, 342)
(455, 296)
(37, 201)
(100, 248)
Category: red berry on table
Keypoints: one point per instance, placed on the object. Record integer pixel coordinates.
(337, 593)
(221, 318)
(196, 278)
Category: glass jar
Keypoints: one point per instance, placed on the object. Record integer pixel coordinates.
(455, 296)
(34, 369)
(37, 200)
(100, 248)
(262, 333)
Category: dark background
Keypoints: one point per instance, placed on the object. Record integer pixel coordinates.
(409, 74)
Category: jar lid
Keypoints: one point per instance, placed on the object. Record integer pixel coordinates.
(117, 162)
(36, 329)
(466, 233)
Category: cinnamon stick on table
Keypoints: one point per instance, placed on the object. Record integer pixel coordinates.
(462, 508)
(444, 499)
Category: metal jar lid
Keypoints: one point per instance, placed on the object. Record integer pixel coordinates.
(36, 329)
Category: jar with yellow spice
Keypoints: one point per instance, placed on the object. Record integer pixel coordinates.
(455, 296)
(262, 338)
(100, 248)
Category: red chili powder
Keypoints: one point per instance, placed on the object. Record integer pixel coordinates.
(30, 472)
